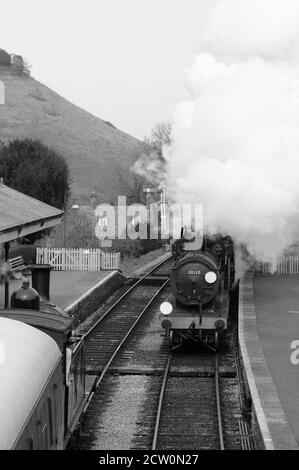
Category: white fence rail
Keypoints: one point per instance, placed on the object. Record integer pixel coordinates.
(286, 265)
(72, 259)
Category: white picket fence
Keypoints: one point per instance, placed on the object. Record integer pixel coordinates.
(286, 265)
(73, 259)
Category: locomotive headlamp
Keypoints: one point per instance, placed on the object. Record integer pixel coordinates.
(211, 277)
(166, 308)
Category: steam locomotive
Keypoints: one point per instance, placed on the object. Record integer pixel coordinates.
(200, 284)
(42, 370)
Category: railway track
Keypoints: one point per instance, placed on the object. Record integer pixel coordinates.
(189, 412)
(196, 395)
(105, 338)
(123, 414)
(108, 334)
(195, 403)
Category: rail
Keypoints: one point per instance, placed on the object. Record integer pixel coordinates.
(125, 294)
(160, 404)
(98, 381)
(219, 417)
(162, 395)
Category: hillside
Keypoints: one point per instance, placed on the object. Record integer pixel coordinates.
(99, 155)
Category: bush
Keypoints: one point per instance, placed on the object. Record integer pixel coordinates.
(150, 245)
(36, 170)
(136, 248)
(127, 248)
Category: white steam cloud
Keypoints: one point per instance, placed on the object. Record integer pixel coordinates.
(235, 144)
(151, 167)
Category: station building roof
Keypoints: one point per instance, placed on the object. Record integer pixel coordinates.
(21, 215)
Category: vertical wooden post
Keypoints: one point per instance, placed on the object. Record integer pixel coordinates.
(6, 296)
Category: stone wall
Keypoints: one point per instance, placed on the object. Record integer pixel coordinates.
(91, 300)
(5, 59)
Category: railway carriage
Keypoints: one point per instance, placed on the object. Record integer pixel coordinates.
(200, 284)
(31, 405)
(42, 374)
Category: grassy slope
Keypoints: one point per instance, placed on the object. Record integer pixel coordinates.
(99, 156)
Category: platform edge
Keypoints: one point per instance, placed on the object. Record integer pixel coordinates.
(258, 374)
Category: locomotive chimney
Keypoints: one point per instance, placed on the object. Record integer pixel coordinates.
(41, 280)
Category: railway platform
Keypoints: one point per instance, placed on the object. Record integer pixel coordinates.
(65, 287)
(268, 327)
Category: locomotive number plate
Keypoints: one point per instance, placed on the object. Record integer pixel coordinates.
(193, 272)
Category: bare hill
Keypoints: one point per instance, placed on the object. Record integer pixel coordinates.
(98, 154)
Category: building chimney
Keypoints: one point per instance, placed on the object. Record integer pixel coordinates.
(41, 280)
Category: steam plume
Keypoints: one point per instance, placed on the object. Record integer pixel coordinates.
(235, 144)
(150, 166)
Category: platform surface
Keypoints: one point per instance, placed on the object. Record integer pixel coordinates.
(65, 287)
(276, 301)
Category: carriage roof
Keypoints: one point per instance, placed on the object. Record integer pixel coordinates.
(28, 358)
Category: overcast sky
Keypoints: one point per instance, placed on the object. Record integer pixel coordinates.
(122, 60)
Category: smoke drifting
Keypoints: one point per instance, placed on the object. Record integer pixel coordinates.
(151, 166)
(235, 144)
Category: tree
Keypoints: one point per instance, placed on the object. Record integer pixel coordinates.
(150, 164)
(160, 135)
(36, 170)
(136, 195)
